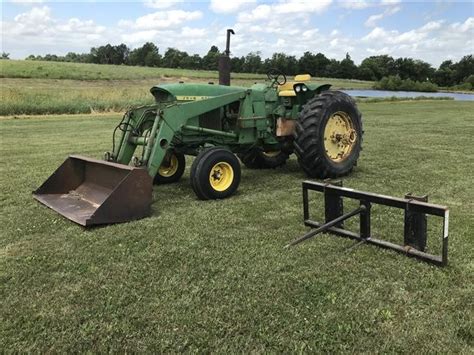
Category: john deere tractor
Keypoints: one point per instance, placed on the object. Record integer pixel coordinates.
(221, 126)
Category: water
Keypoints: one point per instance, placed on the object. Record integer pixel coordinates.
(384, 93)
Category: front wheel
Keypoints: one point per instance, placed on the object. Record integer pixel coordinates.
(171, 169)
(215, 174)
(328, 135)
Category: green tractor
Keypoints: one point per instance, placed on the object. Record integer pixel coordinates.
(218, 124)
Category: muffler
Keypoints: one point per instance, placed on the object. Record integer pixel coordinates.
(90, 191)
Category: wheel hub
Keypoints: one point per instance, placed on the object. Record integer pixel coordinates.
(169, 167)
(339, 136)
(221, 176)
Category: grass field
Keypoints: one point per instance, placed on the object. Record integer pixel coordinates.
(213, 276)
(34, 87)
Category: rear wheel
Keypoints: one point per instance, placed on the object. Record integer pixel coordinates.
(171, 169)
(328, 135)
(215, 174)
(257, 158)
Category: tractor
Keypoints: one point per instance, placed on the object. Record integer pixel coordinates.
(222, 126)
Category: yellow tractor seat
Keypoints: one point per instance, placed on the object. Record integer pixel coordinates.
(287, 88)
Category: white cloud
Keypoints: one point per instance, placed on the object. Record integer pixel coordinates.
(38, 29)
(391, 2)
(372, 20)
(364, 4)
(228, 6)
(36, 16)
(162, 20)
(140, 37)
(467, 26)
(431, 26)
(355, 4)
(433, 42)
(26, 2)
(161, 4)
(295, 8)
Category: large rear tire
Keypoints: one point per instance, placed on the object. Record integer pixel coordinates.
(257, 158)
(328, 135)
(215, 174)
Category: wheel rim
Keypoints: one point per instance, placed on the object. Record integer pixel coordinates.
(221, 176)
(340, 137)
(168, 170)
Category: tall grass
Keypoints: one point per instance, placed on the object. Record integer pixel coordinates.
(82, 71)
(37, 102)
(55, 96)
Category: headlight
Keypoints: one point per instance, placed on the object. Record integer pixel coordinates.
(304, 88)
(298, 88)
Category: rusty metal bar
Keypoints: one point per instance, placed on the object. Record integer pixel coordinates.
(326, 226)
(415, 219)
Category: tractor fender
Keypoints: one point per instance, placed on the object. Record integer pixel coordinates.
(322, 88)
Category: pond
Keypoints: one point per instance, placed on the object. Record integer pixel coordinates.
(384, 93)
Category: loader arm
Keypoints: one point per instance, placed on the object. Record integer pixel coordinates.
(168, 121)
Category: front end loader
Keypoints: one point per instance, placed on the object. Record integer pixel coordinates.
(221, 126)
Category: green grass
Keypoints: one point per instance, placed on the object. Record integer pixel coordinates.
(213, 276)
(35, 87)
(83, 71)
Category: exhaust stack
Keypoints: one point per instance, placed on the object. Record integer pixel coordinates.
(224, 62)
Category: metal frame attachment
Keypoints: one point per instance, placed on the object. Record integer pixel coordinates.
(415, 229)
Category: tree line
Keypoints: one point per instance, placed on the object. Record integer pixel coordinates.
(372, 68)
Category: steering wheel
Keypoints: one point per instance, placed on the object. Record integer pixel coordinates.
(276, 76)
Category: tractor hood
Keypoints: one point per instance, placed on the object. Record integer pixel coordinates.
(191, 92)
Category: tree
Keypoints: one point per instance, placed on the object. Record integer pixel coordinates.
(418, 70)
(146, 55)
(444, 76)
(252, 63)
(174, 58)
(464, 68)
(313, 64)
(109, 54)
(333, 69)
(192, 62)
(5, 55)
(347, 68)
(210, 60)
(237, 64)
(284, 63)
(376, 67)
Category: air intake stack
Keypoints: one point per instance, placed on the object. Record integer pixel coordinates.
(224, 62)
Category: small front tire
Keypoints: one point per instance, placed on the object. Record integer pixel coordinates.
(171, 169)
(215, 174)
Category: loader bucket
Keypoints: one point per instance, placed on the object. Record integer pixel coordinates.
(89, 191)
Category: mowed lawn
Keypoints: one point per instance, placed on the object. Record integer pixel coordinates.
(214, 276)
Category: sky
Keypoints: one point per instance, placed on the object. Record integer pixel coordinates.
(433, 31)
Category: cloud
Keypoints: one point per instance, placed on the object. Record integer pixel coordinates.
(161, 4)
(295, 8)
(228, 6)
(26, 2)
(162, 20)
(433, 42)
(356, 4)
(372, 20)
(364, 4)
(37, 30)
